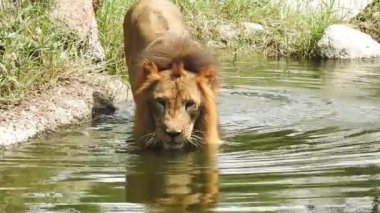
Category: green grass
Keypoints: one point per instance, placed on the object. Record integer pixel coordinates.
(110, 19)
(288, 33)
(37, 50)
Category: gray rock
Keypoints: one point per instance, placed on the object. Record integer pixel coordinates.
(230, 32)
(79, 16)
(343, 42)
(251, 28)
(227, 32)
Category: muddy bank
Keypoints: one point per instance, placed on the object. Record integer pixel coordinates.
(71, 101)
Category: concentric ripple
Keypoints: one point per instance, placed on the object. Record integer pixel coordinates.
(297, 137)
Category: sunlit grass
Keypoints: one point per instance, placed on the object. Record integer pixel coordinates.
(35, 51)
(110, 19)
(288, 32)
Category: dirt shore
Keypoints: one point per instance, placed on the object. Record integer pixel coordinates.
(71, 101)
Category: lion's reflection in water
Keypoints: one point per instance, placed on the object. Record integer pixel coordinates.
(174, 182)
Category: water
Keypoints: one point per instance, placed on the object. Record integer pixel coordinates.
(298, 137)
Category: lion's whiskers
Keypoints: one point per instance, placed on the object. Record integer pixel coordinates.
(150, 139)
(197, 133)
(195, 138)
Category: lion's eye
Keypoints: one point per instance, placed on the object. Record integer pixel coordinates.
(161, 101)
(189, 104)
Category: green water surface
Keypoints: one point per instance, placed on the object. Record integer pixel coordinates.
(298, 137)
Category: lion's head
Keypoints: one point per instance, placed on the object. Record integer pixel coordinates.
(175, 95)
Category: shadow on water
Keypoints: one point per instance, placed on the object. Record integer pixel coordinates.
(298, 137)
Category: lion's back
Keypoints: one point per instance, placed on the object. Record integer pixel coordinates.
(146, 21)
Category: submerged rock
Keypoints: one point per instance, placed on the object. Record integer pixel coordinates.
(343, 42)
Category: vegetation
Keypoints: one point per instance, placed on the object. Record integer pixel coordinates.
(34, 50)
(110, 19)
(369, 20)
(288, 33)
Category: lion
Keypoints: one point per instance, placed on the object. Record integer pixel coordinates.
(173, 79)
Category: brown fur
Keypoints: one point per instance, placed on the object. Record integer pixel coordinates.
(160, 53)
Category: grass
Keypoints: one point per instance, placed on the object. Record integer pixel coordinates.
(288, 33)
(369, 20)
(110, 19)
(37, 50)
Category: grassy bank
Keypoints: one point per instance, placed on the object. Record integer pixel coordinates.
(34, 51)
(110, 17)
(37, 50)
(287, 33)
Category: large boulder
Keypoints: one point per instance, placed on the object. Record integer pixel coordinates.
(79, 16)
(343, 42)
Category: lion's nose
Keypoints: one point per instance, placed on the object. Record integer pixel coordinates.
(173, 133)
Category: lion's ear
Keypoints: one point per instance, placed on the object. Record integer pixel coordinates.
(208, 75)
(146, 75)
(149, 68)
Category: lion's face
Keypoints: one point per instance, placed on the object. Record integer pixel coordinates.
(175, 107)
